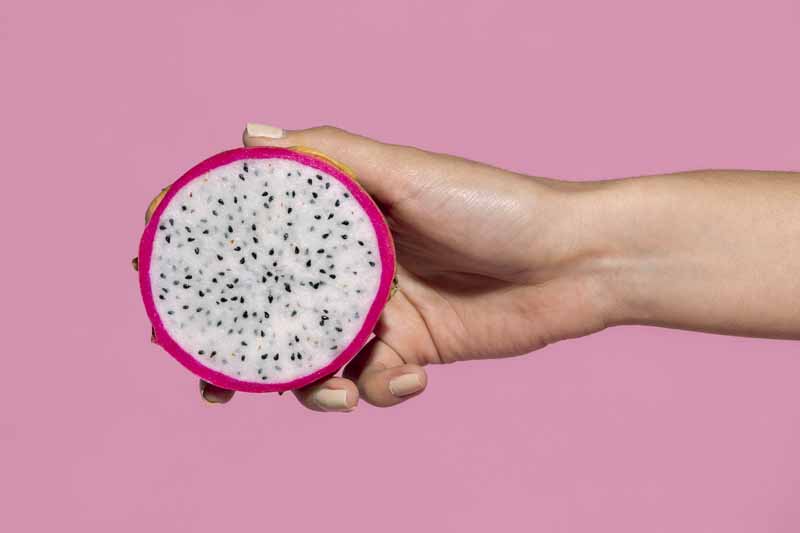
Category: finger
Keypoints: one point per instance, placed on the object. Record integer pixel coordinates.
(331, 394)
(384, 170)
(383, 378)
(154, 204)
(213, 394)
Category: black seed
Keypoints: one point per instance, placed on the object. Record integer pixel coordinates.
(263, 279)
(361, 243)
(315, 195)
(245, 315)
(220, 202)
(292, 357)
(289, 211)
(197, 251)
(235, 200)
(308, 263)
(223, 300)
(244, 343)
(254, 255)
(270, 300)
(319, 177)
(188, 229)
(330, 216)
(241, 261)
(321, 251)
(266, 315)
(188, 276)
(245, 167)
(346, 195)
(201, 293)
(326, 235)
(255, 240)
(338, 329)
(162, 276)
(317, 217)
(219, 323)
(170, 312)
(262, 333)
(214, 212)
(344, 237)
(296, 250)
(287, 287)
(310, 181)
(243, 358)
(230, 229)
(198, 309)
(276, 356)
(294, 313)
(219, 257)
(337, 203)
(185, 286)
(272, 251)
(345, 222)
(332, 276)
(296, 338)
(214, 280)
(185, 307)
(183, 208)
(213, 354)
(264, 355)
(161, 297)
(241, 299)
(285, 236)
(238, 249)
(171, 222)
(190, 239)
(241, 177)
(201, 352)
(327, 185)
(167, 238)
(372, 263)
(162, 227)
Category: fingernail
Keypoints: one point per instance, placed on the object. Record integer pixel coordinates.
(331, 399)
(263, 130)
(208, 394)
(405, 385)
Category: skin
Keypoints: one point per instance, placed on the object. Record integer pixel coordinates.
(493, 263)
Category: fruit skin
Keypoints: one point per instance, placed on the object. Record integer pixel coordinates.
(314, 160)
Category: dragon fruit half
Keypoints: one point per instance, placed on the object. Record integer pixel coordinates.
(264, 269)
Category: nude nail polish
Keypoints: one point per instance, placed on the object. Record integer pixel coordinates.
(264, 131)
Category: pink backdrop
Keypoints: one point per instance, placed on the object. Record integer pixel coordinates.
(634, 429)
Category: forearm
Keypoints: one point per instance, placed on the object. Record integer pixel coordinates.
(714, 251)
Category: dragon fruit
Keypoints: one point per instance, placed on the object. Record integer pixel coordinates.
(265, 269)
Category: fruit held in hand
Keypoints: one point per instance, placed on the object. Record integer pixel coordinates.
(264, 269)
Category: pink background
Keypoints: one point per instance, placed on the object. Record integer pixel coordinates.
(634, 429)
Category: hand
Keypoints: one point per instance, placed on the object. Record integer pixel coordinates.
(484, 268)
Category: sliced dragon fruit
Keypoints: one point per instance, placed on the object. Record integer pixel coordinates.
(265, 269)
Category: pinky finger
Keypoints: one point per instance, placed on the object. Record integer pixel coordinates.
(213, 394)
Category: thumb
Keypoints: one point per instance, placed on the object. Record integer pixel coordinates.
(382, 169)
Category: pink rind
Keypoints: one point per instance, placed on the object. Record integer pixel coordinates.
(210, 375)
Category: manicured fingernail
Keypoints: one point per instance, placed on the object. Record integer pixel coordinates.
(263, 130)
(331, 399)
(135, 263)
(405, 385)
(209, 394)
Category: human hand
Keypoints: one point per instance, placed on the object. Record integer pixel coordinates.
(482, 270)
(494, 263)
